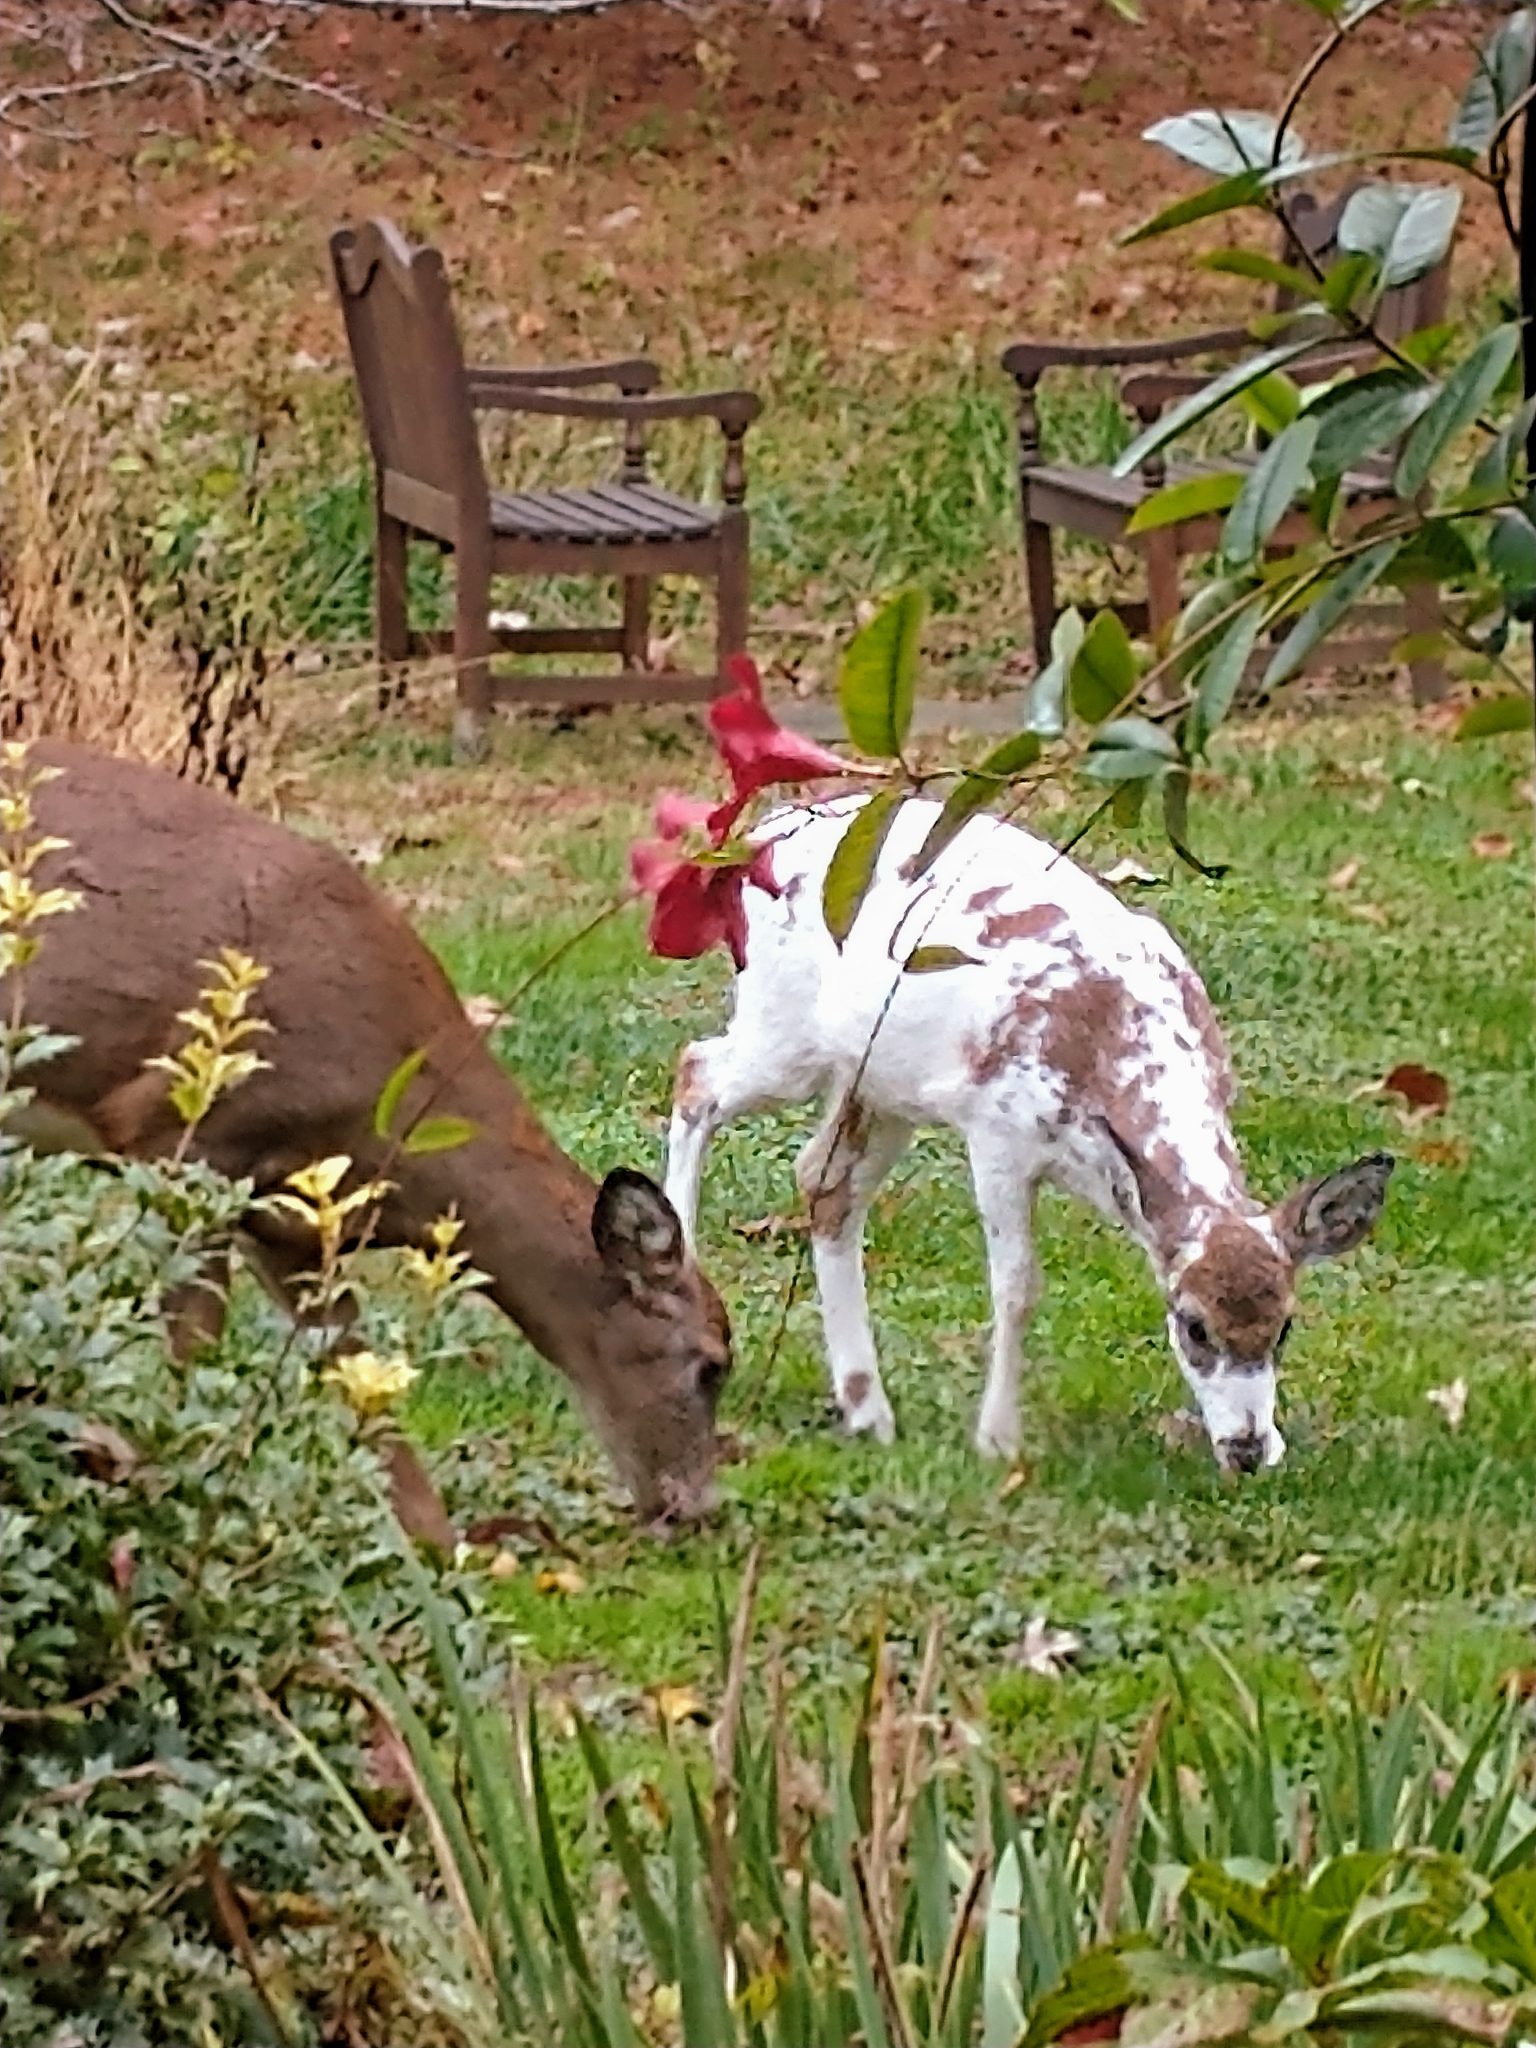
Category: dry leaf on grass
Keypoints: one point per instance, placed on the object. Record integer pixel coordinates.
(1044, 1650)
(563, 1579)
(678, 1703)
(1426, 1093)
(1131, 871)
(1368, 913)
(1450, 1400)
(1451, 1153)
(506, 1564)
(1018, 1477)
(1345, 877)
(1493, 846)
(772, 1226)
(1182, 1431)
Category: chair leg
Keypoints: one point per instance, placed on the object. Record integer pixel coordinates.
(637, 622)
(1427, 672)
(733, 595)
(1040, 576)
(390, 607)
(1160, 552)
(471, 654)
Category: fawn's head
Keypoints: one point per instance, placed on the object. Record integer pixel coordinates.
(1231, 1295)
(662, 1352)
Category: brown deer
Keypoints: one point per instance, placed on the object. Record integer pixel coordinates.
(597, 1278)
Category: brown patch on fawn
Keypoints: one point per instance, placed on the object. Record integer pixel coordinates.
(1243, 1287)
(988, 899)
(987, 1059)
(1089, 1032)
(688, 1090)
(830, 1194)
(1004, 926)
(856, 1390)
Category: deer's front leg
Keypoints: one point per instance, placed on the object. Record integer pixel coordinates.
(1007, 1205)
(839, 1172)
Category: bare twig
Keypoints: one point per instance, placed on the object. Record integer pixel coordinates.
(1125, 1821)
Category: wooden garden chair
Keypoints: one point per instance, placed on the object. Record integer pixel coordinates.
(419, 401)
(1089, 499)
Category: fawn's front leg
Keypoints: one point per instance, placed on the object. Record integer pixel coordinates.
(1006, 1200)
(839, 1172)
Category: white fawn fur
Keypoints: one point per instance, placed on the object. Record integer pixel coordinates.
(1078, 1046)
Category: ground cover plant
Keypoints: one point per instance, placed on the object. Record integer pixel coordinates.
(1373, 928)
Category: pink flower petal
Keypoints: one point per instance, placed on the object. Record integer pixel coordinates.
(758, 750)
(676, 814)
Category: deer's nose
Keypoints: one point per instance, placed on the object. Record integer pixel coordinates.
(1243, 1453)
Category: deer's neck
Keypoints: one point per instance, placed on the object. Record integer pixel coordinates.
(526, 1208)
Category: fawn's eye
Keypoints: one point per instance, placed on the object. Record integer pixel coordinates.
(712, 1375)
(1197, 1333)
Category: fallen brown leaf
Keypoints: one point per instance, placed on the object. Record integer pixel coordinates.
(1368, 913)
(1420, 1087)
(564, 1579)
(506, 1564)
(772, 1226)
(485, 1013)
(1451, 1153)
(1493, 846)
(1346, 876)
(105, 1454)
(676, 1703)
(1451, 1400)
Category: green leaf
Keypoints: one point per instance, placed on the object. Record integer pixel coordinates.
(1268, 490)
(1136, 731)
(1126, 764)
(438, 1134)
(1491, 715)
(1245, 189)
(1047, 693)
(1208, 399)
(1326, 609)
(1002, 2014)
(1407, 228)
(853, 863)
(1262, 269)
(1346, 279)
(1191, 498)
(877, 681)
(1503, 461)
(1104, 673)
(1272, 402)
(1459, 401)
(393, 1091)
(972, 793)
(1226, 143)
(1222, 675)
(631, 1859)
(1512, 554)
(1358, 418)
(705, 2011)
(935, 959)
(1502, 74)
(1176, 825)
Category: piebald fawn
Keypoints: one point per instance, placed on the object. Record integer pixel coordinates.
(1077, 1046)
(598, 1278)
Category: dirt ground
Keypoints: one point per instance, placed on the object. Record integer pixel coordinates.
(906, 173)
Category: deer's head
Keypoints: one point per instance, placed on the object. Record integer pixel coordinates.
(662, 1353)
(1231, 1296)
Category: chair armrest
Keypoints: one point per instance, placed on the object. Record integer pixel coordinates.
(494, 386)
(1148, 394)
(735, 410)
(1027, 361)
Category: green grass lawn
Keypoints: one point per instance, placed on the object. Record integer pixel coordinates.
(1384, 1527)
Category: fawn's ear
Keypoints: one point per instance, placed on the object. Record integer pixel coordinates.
(636, 1230)
(1325, 1218)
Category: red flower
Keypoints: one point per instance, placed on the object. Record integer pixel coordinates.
(696, 897)
(697, 903)
(756, 749)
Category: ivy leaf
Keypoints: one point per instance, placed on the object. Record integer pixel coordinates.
(853, 863)
(971, 794)
(877, 681)
(1104, 673)
(1268, 490)
(1408, 229)
(1458, 402)
(438, 1134)
(1226, 144)
(1502, 74)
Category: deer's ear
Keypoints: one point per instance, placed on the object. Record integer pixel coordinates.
(1325, 1218)
(636, 1230)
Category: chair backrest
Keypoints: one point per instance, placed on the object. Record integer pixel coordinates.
(408, 362)
(1402, 310)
